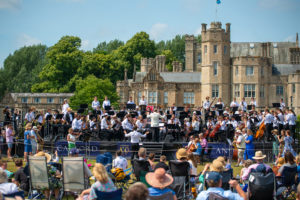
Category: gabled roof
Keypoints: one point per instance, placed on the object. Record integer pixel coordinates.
(284, 69)
(16, 95)
(174, 77)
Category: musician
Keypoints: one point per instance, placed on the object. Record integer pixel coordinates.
(221, 131)
(206, 104)
(140, 123)
(65, 106)
(106, 127)
(84, 123)
(106, 102)
(48, 113)
(69, 116)
(210, 124)
(95, 103)
(269, 118)
(291, 119)
(173, 107)
(143, 101)
(127, 123)
(30, 115)
(93, 124)
(253, 102)
(234, 104)
(280, 117)
(220, 102)
(282, 104)
(195, 124)
(76, 123)
(117, 127)
(155, 116)
(130, 101)
(243, 104)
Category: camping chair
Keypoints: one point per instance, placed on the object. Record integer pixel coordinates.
(215, 196)
(226, 177)
(124, 183)
(115, 195)
(181, 174)
(165, 196)
(261, 186)
(73, 174)
(287, 182)
(139, 166)
(39, 179)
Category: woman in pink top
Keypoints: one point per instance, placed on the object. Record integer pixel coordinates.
(9, 133)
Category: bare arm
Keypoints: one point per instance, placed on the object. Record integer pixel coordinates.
(234, 184)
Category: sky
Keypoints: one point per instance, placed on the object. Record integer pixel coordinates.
(28, 22)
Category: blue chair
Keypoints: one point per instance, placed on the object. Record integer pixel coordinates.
(287, 182)
(115, 195)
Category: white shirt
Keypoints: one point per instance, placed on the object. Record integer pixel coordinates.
(65, 108)
(29, 116)
(282, 105)
(234, 104)
(135, 136)
(105, 103)
(241, 140)
(243, 105)
(95, 104)
(40, 119)
(8, 188)
(269, 119)
(206, 104)
(143, 102)
(93, 125)
(130, 102)
(281, 118)
(195, 125)
(76, 124)
(253, 103)
(103, 123)
(154, 119)
(120, 162)
(291, 119)
(139, 124)
(127, 125)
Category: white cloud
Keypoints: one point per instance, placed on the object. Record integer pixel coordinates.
(26, 40)
(10, 4)
(157, 30)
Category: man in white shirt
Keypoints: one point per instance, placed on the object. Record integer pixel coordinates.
(65, 106)
(76, 123)
(269, 118)
(253, 102)
(206, 104)
(155, 116)
(130, 101)
(95, 103)
(282, 104)
(126, 123)
(120, 161)
(234, 103)
(135, 137)
(143, 103)
(106, 102)
(243, 104)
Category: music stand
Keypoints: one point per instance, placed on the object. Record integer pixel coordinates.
(249, 107)
(84, 106)
(180, 109)
(111, 112)
(171, 126)
(130, 106)
(133, 114)
(107, 108)
(276, 105)
(219, 106)
(121, 114)
(59, 116)
(80, 110)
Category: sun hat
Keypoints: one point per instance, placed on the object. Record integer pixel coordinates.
(159, 178)
(216, 166)
(43, 154)
(181, 153)
(259, 155)
(213, 176)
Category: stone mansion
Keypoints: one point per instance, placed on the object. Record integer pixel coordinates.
(217, 67)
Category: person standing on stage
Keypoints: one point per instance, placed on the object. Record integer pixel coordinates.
(243, 104)
(130, 101)
(95, 103)
(206, 104)
(269, 118)
(291, 120)
(234, 104)
(155, 116)
(135, 137)
(65, 106)
(76, 123)
(106, 102)
(282, 104)
(253, 102)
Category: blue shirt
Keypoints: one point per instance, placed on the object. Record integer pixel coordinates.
(249, 145)
(157, 192)
(27, 141)
(298, 171)
(227, 194)
(199, 149)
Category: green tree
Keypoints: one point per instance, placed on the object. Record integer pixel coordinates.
(104, 47)
(169, 59)
(21, 69)
(92, 86)
(64, 60)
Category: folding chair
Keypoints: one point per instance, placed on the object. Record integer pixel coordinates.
(73, 174)
(226, 177)
(139, 166)
(115, 195)
(261, 186)
(181, 174)
(287, 182)
(39, 179)
(165, 196)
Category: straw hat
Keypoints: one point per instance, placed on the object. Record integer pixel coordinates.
(181, 153)
(259, 155)
(69, 109)
(43, 154)
(159, 178)
(216, 166)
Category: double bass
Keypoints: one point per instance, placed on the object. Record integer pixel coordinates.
(216, 129)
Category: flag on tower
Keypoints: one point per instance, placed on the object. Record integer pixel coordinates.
(218, 1)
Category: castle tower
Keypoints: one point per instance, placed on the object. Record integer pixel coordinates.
(190, 53)
(215, 80)
(147, 64)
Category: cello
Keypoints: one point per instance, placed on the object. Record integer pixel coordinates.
(261, 130)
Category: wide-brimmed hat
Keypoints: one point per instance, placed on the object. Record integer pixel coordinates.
(42, 154)
(259, 155)
(159, 178)
(181, 153)
(34, 128)
(216, 166)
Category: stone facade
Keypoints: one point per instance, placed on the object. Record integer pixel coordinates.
(218, 67)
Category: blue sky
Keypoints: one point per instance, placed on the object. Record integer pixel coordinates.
(27, 22)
